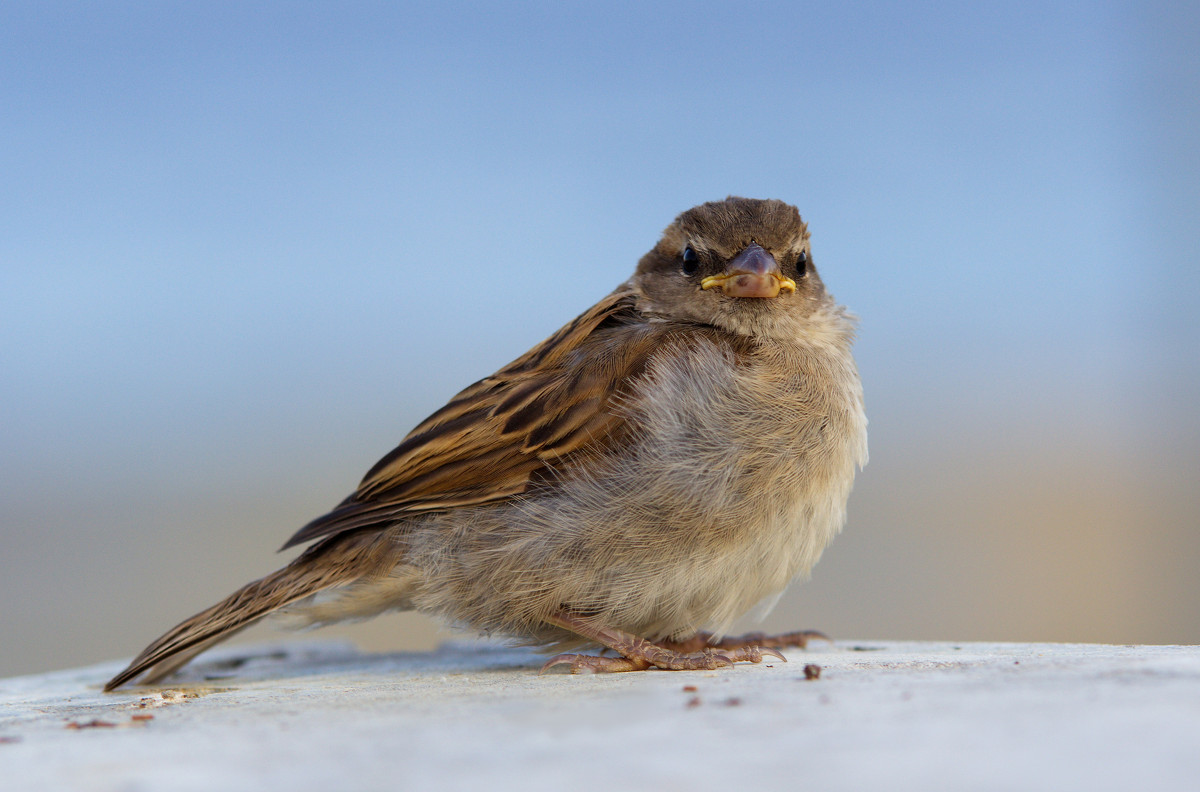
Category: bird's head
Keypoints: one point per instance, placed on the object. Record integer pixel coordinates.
(741, 264)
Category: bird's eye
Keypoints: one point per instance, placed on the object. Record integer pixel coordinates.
(801, 263)
(691, 261)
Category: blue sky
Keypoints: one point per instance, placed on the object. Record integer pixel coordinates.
(244, 248)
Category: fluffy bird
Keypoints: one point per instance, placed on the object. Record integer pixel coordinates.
(675, 455)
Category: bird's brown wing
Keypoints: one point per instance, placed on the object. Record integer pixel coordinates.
(509, 430)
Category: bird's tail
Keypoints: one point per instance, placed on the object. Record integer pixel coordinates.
(337, 561)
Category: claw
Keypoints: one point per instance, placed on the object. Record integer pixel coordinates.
(751, 654)
(562, 659)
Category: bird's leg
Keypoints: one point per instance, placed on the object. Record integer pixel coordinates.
(703, 640)
(638, 654)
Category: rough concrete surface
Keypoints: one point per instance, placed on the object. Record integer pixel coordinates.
(880, 715)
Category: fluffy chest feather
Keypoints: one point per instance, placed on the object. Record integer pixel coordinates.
(735, 483)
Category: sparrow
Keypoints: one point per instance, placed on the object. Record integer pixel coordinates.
(667, 460)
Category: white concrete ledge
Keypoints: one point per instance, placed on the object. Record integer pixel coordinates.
(887, 715)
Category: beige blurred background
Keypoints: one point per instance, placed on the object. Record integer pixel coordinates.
(243, 251)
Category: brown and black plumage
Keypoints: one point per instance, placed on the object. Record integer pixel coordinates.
(670, 458)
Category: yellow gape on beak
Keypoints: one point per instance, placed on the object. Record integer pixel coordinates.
(752, 273)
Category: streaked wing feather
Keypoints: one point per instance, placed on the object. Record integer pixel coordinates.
(502, 433)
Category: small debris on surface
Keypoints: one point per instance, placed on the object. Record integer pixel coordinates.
(142, 717)
(812, 671)
(733, 701)
(164, 698)
(693, 702)
(689, 688)
(9, 740)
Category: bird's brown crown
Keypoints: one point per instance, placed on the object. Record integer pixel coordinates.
(727, 227)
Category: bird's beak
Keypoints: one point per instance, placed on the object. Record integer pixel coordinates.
(752, 273)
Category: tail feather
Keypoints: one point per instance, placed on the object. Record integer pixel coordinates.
(154, 670)
(335, 562)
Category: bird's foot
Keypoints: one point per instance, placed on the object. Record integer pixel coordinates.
(638, 654)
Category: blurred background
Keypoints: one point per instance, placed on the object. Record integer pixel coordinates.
(245, 247)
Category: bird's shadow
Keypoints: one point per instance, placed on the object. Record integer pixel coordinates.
(251, 664)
